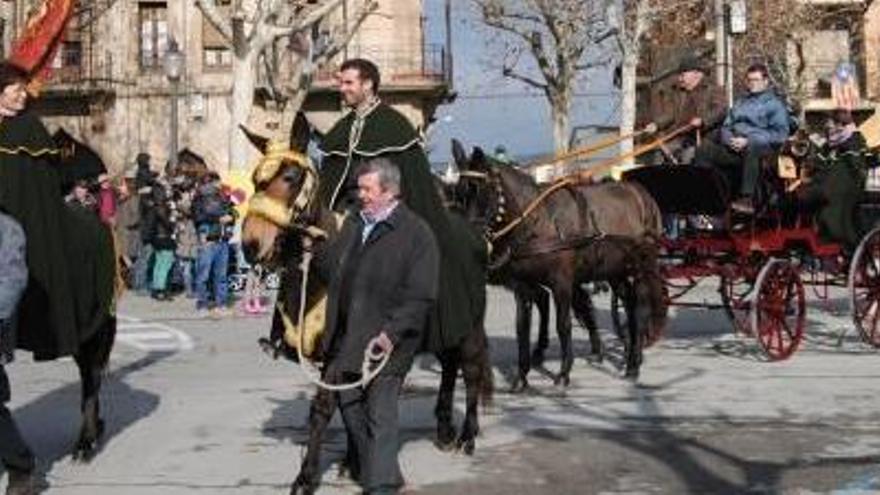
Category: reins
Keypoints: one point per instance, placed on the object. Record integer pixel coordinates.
(593, 148)
(368, 372)
(582, 176)
(285, 215)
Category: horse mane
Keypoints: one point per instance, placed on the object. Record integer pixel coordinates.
(522, 189)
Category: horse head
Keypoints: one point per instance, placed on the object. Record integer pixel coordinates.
(285, 185)
(483, 191)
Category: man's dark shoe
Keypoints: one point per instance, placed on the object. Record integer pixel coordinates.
(20, 483)
(743, 205)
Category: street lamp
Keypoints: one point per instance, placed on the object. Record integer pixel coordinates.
(174, 65)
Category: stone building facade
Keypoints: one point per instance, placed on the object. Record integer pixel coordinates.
(109, 87)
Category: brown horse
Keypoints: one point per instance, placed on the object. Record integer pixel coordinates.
(278, 239)
(577, 235)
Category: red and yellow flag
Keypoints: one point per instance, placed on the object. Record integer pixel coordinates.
(36, 46)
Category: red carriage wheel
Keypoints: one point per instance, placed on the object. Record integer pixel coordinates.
(734, 296)
(864, 288)
(620, 320)
(779, 309)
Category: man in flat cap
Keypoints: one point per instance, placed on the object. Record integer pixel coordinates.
(699, 102)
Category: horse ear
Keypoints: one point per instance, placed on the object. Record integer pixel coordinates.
(458, 154)
(258, 141)
(478, 158)
(300, 133)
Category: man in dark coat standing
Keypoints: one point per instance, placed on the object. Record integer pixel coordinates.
(374, 129)
(383, 276)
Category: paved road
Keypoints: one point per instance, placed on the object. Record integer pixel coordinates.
(193, 407)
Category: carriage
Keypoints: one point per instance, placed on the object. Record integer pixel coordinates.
(764, 266)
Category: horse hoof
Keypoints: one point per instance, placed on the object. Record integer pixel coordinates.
(85, 451)
(466, 445)
(631, 375)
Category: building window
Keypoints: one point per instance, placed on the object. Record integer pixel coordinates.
(217, 58)
(215, 48)
(153, 19)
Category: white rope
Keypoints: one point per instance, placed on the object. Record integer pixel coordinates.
(368, 371)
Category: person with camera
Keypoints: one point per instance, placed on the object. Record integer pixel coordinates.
(214, 217)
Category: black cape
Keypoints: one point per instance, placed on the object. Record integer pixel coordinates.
(387, 133)
(70, 255)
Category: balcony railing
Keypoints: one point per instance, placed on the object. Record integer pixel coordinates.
(428, 66)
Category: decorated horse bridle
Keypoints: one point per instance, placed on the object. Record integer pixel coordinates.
(281, 213)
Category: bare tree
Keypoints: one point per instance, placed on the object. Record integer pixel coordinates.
(289, 28)
(556, 37)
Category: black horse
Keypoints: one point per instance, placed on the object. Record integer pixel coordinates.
(93, 344)
(269, 241)
(576, 235)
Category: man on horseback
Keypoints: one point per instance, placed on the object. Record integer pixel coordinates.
(754, 128)
(69, 252)
(15, 455)
(374, 129)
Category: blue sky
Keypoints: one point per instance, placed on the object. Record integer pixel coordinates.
(491, 110)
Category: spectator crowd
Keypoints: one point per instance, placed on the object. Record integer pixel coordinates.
(176, 234)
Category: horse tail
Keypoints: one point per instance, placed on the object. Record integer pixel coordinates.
(656, 292)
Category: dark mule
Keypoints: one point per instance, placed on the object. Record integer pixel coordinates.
(93, 350)
(576, 235)
(270, 241)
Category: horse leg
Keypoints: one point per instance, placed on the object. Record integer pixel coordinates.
(523, 338)
(542, 302)
(641, 316)
(478, 380)
(91, 359)
(582, 304)
(450, 361)
(320, 414)
(562, 298)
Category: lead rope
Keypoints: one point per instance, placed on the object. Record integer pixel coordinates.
(368, 371)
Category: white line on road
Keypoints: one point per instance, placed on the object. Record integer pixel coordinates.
(161, 338)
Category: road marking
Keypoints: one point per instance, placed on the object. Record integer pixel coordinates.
(152, 336)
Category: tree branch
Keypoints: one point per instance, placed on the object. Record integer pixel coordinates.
(215, 18)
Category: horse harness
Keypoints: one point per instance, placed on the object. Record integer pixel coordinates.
(521, 247)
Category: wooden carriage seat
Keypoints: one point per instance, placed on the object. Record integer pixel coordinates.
(684, 189)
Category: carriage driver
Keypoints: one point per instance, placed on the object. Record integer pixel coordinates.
(699, 103)
(754, 128)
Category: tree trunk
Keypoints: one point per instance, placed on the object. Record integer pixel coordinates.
(629, 65)
(628, 103)
(560, 108)
(244, 82)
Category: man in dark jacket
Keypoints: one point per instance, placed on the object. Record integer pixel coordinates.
(14, 453)
(754, 128)
(374, 129)
(700, 103)
(383, 278)
(214, 218)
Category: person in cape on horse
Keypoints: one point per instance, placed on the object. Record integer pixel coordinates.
(374, 129)
(70, 256)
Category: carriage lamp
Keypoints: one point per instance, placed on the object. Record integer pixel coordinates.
(174, 65)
